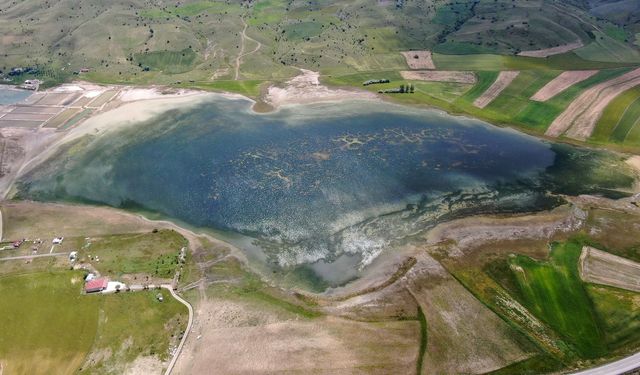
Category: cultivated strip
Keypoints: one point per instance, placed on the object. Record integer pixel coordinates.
(419, 59)
(502, 82)
(552, 51)
(580, 117)
(561, 83)
(600, 267)
(440, 76)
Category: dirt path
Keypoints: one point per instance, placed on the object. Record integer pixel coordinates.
(242, 54)
(502, 82)
(553, 50)
(561, 83)
(25, 257)
(579, 119)
(178, 350)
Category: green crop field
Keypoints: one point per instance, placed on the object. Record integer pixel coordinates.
(594, 320)
(620, 118)
(540, 114)
(50, 327)
(619, 315)
(553, 292)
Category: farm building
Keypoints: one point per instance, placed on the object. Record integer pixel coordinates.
(96, 285)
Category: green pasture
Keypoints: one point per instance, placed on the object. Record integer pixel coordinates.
(50, 327)
(597, 321)
(154, 254)
(620, 118)
(169, 62)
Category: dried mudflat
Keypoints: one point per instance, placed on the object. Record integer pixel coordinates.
(440, 76)
(600, 267)
(561, 83)
(238, 338)
(502, 82)
(419, 59)
(552, 51)
(579, 119)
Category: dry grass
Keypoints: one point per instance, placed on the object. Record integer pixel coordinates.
(440, 76)
(600, 267)
(552, 51)
(579, 119)
(419, 59)
(33, 220)
(502, 82)
(561, 83)
(463, 335)
(249, 338)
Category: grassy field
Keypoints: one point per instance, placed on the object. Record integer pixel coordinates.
(619, 316)
(171, 62)
(512, 107)
(594, 320)
(553, 292)
(620, 119)
(154, 254)
(50, 327)
(132, 325)
(30, 306)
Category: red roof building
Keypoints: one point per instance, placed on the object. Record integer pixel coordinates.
(96, 285)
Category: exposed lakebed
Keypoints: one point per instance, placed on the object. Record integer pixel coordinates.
(320, 190)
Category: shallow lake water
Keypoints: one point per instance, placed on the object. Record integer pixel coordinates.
(10, 95)
(320, 190)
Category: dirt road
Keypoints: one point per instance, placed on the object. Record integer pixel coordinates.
(242, 54)
(178, 350)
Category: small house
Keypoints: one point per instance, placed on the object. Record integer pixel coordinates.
(58, 240)
(96, 285)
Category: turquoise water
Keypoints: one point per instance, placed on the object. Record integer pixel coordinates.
(12, 96)
(319, 190)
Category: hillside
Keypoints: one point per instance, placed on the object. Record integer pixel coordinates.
(246, 46)
(166, 41)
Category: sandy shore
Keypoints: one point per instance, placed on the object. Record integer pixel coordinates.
(139, 105)
(306, 89)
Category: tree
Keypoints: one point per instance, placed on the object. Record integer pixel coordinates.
(402, 88)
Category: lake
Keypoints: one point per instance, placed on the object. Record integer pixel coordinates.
(320, 190)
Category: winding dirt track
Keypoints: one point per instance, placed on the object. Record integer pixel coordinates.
(581, 116)
(186, 332)
(242, 54)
